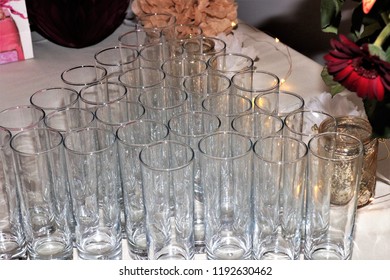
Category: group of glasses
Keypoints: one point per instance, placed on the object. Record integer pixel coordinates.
(180, 148)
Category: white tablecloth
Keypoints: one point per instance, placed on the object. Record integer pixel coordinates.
(18, 81)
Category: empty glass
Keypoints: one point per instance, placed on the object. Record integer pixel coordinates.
(226, 178)
(94, 178)
(132, 137)
(167, 177)
(44, 194)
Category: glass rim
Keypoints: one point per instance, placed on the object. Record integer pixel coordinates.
(245, 153)
(227, 94)
(31, 125)
(104, 70)
(206, 75)
(271, 88)
(89, 102)
(51, 114)
(330, 117)
(182, 166)
(147, 106)
(280, 92)
(89, 153)
(107, 105)
(65, 89)
(193, 113)
(279, 119)
(297, 159)
(158, 70)
(96, 56)
(138, 29)
(201, 63)
(4, 143)
(324, 134)
(35, 129)
(217, 56)
(124, 126)
(219, 51)
(148, 15)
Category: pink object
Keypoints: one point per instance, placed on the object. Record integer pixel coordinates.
(10, 40)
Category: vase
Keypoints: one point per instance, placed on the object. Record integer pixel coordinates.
(76, 24)
(360, 128)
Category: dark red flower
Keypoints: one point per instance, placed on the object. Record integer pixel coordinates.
(357, 70)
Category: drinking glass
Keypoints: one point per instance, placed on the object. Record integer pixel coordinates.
(177, 69)
(44, 193)
(279, 177)
(116, 60)
(189, 128)
(204, 48)
(161, 103)
(201, 85)
(254, 82)
(132, 137)
(229, 63)
(94, 178)
(256, 125)
(19, 118)
(227, 107)
(112, 116)
(139, 79)
(226, 177)
(69, 119)
(279, 103)
(334, 173)
(168, 182)
(54, 99)
(13, 240)
(83, 75)
(98, 94)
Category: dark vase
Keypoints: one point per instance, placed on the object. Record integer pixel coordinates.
(76, 23)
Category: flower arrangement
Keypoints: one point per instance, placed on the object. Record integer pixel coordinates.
(360, 60)
(213, 16)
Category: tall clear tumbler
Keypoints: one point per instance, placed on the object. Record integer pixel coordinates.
(189, 128)
(226, 177)
(43, 190)
(12, 241)
(168, 183)
(334, 172)
(132, 138)
(93, 171)
(279, 177)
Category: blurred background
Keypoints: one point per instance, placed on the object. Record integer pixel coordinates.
(295, 22)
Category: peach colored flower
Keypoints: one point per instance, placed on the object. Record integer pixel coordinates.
(213, 16)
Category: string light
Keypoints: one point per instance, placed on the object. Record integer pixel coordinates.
(278, 44)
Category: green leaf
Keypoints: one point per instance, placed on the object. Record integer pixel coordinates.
(334, 87)
(331, 15)
(377, 113)
(369, 30)
(375, 50)
(388, 55)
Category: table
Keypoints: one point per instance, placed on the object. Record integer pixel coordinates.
(18, 81)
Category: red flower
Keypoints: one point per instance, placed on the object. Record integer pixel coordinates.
(357, 70)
